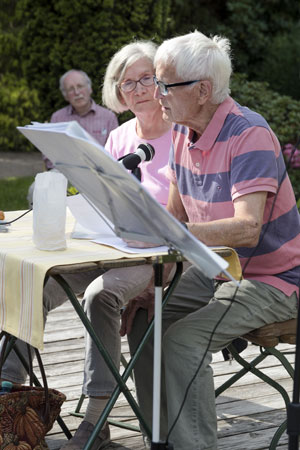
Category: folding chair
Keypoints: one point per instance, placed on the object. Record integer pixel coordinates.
(267, 338)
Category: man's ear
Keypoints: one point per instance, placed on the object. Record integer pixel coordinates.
(204, 91)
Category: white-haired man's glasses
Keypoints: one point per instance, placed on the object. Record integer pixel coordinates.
(163, 87)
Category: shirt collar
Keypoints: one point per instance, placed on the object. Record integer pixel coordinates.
(208, 138)
(71, 110)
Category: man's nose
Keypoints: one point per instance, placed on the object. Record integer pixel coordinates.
(157, 93)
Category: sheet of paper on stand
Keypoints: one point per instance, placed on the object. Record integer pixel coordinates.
(91, 224)
(117, 194)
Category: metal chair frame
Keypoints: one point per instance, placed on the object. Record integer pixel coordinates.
(252, 367)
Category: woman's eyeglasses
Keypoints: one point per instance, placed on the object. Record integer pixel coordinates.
(130, 85)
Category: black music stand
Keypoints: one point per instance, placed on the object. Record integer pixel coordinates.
(134, 212)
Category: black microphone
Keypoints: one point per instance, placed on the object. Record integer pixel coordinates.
(145, 152)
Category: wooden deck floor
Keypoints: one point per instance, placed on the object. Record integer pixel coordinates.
(248, 413)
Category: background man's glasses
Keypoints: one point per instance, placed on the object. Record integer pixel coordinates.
(163, 87)
(130, 85)
(77, 88)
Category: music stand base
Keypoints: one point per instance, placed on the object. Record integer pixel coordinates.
(161, 446)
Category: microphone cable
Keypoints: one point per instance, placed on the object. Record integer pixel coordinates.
(14, 220)
(235, 292)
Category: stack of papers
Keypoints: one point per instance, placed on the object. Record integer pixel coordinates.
(93, 225)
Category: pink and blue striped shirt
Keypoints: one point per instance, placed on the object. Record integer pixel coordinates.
(239, 154)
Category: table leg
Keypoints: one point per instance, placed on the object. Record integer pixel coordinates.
(12, 346)
(121, 380)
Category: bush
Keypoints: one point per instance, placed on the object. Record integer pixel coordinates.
(19, 105)
(281, 111)
(292, 158)
(59, 35)
(281, 64)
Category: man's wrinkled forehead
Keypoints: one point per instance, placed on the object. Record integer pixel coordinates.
(165, 71)
(75, 78)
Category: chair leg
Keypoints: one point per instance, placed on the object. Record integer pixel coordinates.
(59, 419)
(251, 367)
(127, 426)
(77, 412)
(247, 367)
(266, 352)
(277, 435)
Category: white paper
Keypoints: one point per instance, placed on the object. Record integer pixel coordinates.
(89, 217)
(90, 225)
(117, 194)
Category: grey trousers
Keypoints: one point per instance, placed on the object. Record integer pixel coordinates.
(105, 294)
(199, 320)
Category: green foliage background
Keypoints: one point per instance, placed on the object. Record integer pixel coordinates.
(40, 40)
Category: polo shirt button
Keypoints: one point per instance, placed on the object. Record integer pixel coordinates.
(197, 164)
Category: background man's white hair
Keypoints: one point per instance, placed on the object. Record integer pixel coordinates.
(64, 76)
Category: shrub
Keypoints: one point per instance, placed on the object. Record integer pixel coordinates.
(59, 35)
(281, 111)
(292, 158)
(19, 106)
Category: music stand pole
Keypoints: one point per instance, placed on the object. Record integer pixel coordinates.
(156, 444)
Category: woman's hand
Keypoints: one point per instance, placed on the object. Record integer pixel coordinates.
(2, 216)
(145, 301)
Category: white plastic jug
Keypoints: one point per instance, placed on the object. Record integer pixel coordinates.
(49, 211)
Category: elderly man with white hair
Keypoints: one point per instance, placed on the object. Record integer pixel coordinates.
(76, 88)
(229, 185)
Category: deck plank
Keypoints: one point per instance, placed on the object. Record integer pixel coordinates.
(248, 413)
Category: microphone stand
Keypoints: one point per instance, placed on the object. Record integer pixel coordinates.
(137, 173)
(156, 444)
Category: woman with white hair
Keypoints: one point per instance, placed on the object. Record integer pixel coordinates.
(128, 85)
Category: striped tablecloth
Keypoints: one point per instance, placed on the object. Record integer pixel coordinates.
(22, 272)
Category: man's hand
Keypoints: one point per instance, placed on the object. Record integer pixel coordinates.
(139, 244)
(144, 301)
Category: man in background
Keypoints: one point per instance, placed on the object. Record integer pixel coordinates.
(76, 88)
